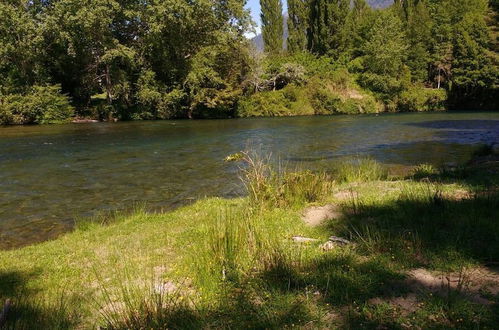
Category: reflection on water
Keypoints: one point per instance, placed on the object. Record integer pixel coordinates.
(51, 174)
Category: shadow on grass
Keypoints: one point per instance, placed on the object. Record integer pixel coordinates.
(28, 311)
(421, 228)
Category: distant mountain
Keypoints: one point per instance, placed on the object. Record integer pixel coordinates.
(258, 40)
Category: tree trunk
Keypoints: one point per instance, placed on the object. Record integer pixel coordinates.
(108, 86)
(438, 78)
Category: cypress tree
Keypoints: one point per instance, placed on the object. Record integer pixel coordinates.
(418, 30)
(327, 33)
(297, 25)
(272, 25)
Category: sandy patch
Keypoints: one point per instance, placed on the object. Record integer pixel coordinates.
(316, 215)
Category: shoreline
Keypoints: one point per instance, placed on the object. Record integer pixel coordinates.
(207, 253)
(382, 113)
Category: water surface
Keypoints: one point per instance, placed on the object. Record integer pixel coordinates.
(50, 175)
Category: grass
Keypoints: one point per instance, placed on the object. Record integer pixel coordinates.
(232, 264)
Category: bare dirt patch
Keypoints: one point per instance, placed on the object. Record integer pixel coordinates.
(344, 195)
(316, 215)
(476, 284)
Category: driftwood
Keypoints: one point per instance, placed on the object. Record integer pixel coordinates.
(4, 312)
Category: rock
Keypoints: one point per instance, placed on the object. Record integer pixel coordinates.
(339, 240)
(334, 242)
(301, 239)
(328, 246)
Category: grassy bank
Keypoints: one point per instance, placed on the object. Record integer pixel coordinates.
(234, 264)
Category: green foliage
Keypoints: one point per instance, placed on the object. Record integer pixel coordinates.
(475, 77)
(386, 49)
(297, 25)
(290, 101)
(182, 59)
(272, 25)
(338, 95)
(327, 20)
(418, 33)
(418, 98)
(40, 105)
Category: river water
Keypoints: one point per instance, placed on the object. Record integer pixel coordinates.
(52, 175)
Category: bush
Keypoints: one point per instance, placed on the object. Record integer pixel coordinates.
(290, 101)
(422, 99)
(385, 85)
(311, 64)
(340, 96)
(40, 105)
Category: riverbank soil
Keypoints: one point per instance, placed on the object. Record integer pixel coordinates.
(420, 251)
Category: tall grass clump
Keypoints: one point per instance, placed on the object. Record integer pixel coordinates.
(153, 306)
(360, 170)
(271, 187)
(423, 171)
(30, 312)
(234, 244)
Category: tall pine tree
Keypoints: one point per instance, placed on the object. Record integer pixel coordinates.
(297, 25)
(327, 33)
(418, 33)
(272, 25)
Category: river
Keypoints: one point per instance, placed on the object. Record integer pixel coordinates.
(52, 175)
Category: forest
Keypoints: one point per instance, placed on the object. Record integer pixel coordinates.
(144, 60)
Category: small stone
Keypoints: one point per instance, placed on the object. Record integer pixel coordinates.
(301, 239)
(339, 240)
(334, 242)
(328, 246)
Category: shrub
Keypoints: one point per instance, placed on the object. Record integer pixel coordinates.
(385, 85)
(311, 64)
(340, 96)
(424, 171)
(292, 100)
(422, 99)
(324, 101)
(267, 104)
(40, 105)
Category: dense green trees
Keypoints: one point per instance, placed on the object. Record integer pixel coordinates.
(134, 59)
(272, 25)
(297, 25)
(327, 33)
(126, 58)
